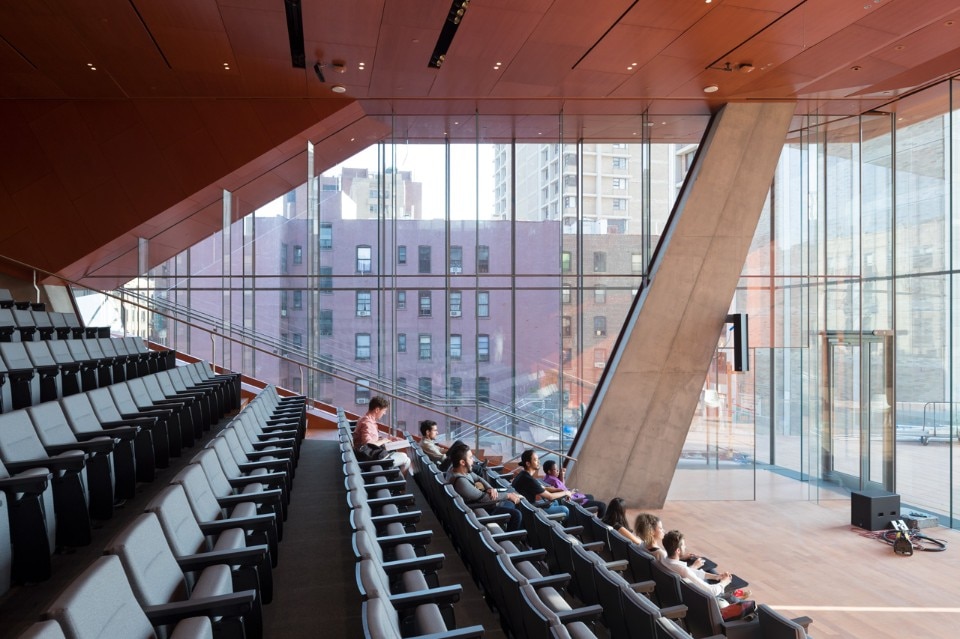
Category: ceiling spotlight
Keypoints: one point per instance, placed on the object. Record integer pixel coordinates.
(318, 69)
(338, 88)
(711, 88)
(339, 66)
(746, 67)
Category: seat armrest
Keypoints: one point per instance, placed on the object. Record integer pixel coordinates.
(573, 530)
(561, 580)
(804, 621)
(255, 522)
(139, 421)
(265, 497)
(31, 482)
(510, 536)
(102, 444)
(249, 556)
(586, 613)
(269, 463)
(60, 462)
(644, 587)
(270, 479)
(444, 595)
(410, 516)
(403, 499)
(674, 612)
(618, 565)
(527, 555)
(418, 538)
(119, 432)
(236, 604)
(429, 563)
(595, 546)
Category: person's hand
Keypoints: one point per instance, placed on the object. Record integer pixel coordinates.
(514, 497)
(698, 563)
(492, 493)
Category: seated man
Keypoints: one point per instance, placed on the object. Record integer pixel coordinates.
(367, 432)
(553, 478)
(428, 441)
(476, 491)
(731, 605)
(534, 491)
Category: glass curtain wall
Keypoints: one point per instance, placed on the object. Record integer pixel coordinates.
(486, 281)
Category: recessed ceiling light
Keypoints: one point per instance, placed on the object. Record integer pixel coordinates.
(712, 88)
(338, 88)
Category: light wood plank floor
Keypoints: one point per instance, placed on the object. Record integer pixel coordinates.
(803, 558)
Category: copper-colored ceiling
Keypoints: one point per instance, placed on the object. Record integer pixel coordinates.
(126, 119)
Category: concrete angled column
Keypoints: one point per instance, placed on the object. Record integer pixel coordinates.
(633, 437)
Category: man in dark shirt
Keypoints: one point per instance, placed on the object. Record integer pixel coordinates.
(477, 491)
(534, 491)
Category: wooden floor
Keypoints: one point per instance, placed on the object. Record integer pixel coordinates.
(803, 558)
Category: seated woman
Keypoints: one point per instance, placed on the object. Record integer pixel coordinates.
(553, 477)
(616, 518)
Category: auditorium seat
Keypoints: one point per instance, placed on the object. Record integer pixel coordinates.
(69, 367)
(214, 516)
(380, 621)
(137, 434)
(151, 385)
(44, 323)
(25, 324)
(88, 364)
(6, 299)
(20, 449)
(157, 578)
(109, 458)
(251, 565)
(704, 619)
(24, 388)
(164, 446)
(181, 434)
(32, 522)
(85, 613)
(8, 326)
(266, 490)
(49, 383)
(773, 625)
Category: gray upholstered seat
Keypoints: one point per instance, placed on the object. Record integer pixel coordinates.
(773, 625)
(267, 494)
(83, 612)
(156, 578)
(251, 564)
(260, 529)
(21, 449)
(28, 506)
(24, 388)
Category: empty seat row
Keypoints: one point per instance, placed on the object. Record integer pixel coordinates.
(65, 463)
(28, 323)
(44, 371)
(198, 562)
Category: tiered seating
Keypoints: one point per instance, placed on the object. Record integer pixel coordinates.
(513, 568)
(549, 580)
(45, 370)
(395, 576)
(70, 467)
(187, 552)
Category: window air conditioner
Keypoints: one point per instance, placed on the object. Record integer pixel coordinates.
(454, 313)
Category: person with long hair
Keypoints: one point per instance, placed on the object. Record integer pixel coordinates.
(616, 518)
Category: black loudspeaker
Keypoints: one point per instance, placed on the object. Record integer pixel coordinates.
(874, 510)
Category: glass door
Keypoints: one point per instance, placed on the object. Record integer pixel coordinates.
(858, 438)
